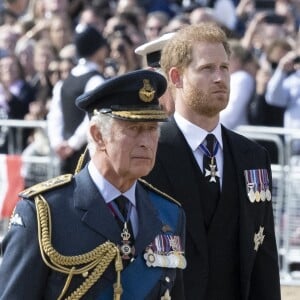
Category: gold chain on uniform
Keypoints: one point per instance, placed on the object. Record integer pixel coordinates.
(97, 259)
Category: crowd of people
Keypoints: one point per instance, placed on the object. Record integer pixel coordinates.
(229, 63)
(39, 50)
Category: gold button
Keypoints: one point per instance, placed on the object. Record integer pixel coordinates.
(85, 274)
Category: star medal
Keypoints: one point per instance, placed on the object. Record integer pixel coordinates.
(213, 173)
(259, 238)
(126, 249)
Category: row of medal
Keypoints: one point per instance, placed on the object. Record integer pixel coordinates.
(168, 260)
(256, 195)
(257, 184)
(165, 251)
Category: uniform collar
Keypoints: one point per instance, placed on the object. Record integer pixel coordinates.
(108, 191)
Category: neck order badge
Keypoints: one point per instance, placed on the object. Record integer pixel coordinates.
(209, 161)
(123, 210)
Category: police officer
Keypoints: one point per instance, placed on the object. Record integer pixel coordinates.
(102, 233)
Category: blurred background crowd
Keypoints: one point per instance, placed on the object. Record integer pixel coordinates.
(41, 45)
(51, 51)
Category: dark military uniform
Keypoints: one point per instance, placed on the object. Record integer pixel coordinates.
(79, 222)
(64, 242)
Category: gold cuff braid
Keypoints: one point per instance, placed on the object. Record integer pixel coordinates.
(90, 265)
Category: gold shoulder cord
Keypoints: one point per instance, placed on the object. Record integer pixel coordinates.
(97, 259)
(80, 160)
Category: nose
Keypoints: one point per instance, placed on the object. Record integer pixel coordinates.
(220, 75)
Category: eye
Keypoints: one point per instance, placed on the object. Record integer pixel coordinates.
(208, 68)
(134, 128)
(225, 67)
(153, 128)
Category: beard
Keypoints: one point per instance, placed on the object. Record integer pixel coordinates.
(206, 103)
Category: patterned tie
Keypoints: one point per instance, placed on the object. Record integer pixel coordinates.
(210, 148)
(122, 203)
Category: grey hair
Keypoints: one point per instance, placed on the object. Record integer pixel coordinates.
(103, 123)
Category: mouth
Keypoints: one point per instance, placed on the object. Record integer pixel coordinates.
(142, 157)
(219, 92)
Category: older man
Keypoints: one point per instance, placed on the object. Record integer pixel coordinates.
(102, 233)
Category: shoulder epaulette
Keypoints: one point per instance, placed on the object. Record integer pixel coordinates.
(151, 187)
(46, 185)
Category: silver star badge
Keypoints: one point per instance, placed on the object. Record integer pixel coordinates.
(213, 173)
(259, 238)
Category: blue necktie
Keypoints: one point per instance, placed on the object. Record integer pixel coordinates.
(210, 149)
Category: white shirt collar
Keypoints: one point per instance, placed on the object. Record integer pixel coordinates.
(195, 135)
(107, 190)
(84, 66)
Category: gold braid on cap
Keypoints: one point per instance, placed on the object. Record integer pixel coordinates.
(141, 114)
(90, 265)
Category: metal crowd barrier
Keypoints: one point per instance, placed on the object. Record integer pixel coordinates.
(15, 144)
(37, 165)
(286, 196)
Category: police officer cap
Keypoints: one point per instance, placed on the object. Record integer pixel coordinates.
(88, 40)
(152, 49)
(132, 96)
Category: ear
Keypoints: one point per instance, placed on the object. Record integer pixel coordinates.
(175, 77)
(97, 137)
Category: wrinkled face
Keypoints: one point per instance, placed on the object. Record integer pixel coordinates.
(205, 82)
(131, 148)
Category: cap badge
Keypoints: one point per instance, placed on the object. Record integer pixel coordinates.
(146, 93)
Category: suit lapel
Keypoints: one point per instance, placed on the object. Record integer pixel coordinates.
(247, 256)
(149, 223)
(95, 213)
(187, 186)
(93, 209)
